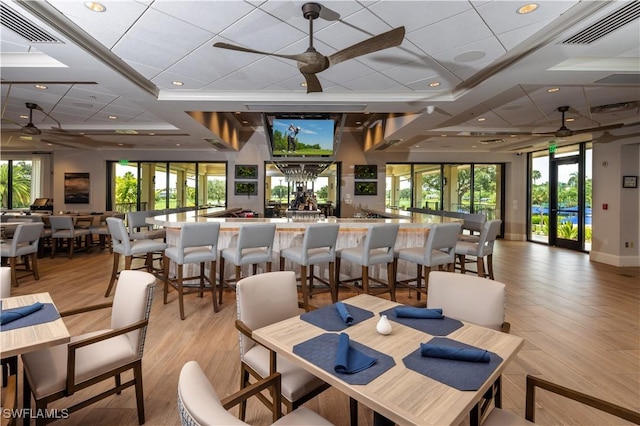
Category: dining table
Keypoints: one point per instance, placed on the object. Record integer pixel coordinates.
(402, 385)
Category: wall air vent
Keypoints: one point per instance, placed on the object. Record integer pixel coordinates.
(610, 23)
(219, 146)
(491, 141)
(15, 22)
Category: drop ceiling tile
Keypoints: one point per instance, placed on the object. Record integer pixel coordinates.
(212, 16)
(417, 14)
(502, 16)
(471, 55)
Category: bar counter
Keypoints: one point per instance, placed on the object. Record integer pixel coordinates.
(289, 233)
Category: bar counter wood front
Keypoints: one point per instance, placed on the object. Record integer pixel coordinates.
(289, 232)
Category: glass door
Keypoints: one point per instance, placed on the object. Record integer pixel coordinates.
(566, 212)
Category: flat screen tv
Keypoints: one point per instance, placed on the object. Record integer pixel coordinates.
(302, 137)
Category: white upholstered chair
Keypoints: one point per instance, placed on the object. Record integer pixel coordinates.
(318, 247)
(265, 299)
(63, 228)
(438, 250)
(123, 246)
(139, 229)
(377, 249)
(198, 243)
(23, 244)
(481, 249)
(199, 404)
(101, 229)
(60, 371)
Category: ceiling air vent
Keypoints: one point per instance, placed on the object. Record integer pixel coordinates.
(218, 145)
(491, 141)
(621, 106)
(610, 23)
(388, 144)
(10, 19)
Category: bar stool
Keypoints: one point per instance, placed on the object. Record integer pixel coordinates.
(318, 246)
(439, 250)
(141, 230)
(122, 245)
(198, 243)
(254, 246)
(483, 248)
(376, 249)
(24, 244)
(99, 227)
(62, 228)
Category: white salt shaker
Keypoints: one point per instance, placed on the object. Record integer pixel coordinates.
(383, 326)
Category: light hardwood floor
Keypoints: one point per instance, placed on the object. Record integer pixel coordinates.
(581, 322)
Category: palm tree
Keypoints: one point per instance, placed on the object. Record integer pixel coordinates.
(21, 182)
(535, 175)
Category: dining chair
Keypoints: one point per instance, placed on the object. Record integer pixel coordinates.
(254, 245)
(437, 251)
(60, 371)
(501, 417)
(480, 250)
(62, 228)
(199, 404)
(318, 247)
(262, 300)
(122, 246)
(139, 229)
(376, 249)
(24, 244)
(198, 243)
(100, 228)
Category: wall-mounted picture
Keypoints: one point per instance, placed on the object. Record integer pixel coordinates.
(76, 188)
(365, 171)
(246, 172)
(366, 188)
(246, 188)
(630, 181)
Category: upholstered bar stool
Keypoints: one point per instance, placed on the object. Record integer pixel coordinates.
(24, 244)
(318, 247)
(480, 250)
(99, 227)
(62, 228)
(438, 250)
(254, 245)
(198, 243)
(139, 229)
(377, 249)
(123, 246)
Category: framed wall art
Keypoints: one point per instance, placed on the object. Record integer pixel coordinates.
(77, 188)
(246, 171)
(366, 188)
(629, 181)
(246, 188)
(365, 171)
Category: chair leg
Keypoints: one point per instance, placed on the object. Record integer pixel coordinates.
(13, 263)
(238, 273)
(391, 281)
(269, 266)
(282, 263)
(212, 281)
(489, 266)
(365, 279)
(303, 285)
(137, 374)
(221, 279)
(418, 280)
(118, 381)
(71, 243)
(244, 381)
(427, 271)
(336, 279)
(201, 276)
(480, 266)
(332, 282)
(34, 265)
(180, 291)
(114, 273)
(165, 273)
(462, 260)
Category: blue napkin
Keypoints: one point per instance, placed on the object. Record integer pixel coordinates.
(17, 313)
(459, 354)
(344, 313)
(350, 360)
(409, 312)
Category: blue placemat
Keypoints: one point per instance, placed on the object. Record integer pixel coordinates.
(321, 351)
(48, 313)
(328, 318)
(435, 327)
(462, 375)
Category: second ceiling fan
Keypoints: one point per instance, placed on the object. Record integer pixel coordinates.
(312, 62)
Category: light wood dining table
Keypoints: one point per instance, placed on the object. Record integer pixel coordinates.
(33, 337)
(399, 394)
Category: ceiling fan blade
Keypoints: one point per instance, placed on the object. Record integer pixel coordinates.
(380, 42)
(599, 128)
(313, 84)
(298, 57)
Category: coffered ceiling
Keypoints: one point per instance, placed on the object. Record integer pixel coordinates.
(468, 75)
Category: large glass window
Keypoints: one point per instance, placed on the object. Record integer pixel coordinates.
(16, 190)
(428, 178)
(398, 190)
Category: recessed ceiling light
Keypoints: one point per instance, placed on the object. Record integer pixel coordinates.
(40, 86)
(245, 122)
(358, 122)
(177, 144)
(569, 119)
(553, 90)
(434, 84)
(177, 83)
(95, 6)
(474, 146)
(527, 8)
(112, 117)
(481, 119)
(24, 116)
(120, 144)
(50, 144)
(152, 134)
(444, 136)
(238, 113)
(303, 84)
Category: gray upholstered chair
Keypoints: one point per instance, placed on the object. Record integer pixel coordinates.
(318, 247)
(262, 300)
(62, 228)
(199, 404)
(123, 246)
(198, 243)
(376, 249)
(101, 229)
(254, 245)
(480, 250)
(24, 244)
(438, 250)
(60, 371)
(139, 229)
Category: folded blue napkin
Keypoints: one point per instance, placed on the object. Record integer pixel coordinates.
(409, 312)
(344, 313)
(350, 360)
(13, 314)
(459, 354)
